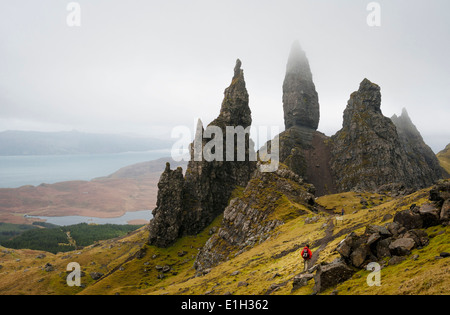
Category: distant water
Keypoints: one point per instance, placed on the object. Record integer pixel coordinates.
(75, 219)
(16, 171)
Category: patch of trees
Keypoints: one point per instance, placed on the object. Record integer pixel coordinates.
(56, 239)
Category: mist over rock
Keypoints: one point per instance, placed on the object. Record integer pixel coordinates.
(188, 204)
(370, 151)
(300, 99)
(303, 149)
(417, 150)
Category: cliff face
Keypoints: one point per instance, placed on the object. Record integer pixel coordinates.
(267, 202)
(186, 205)
(303, 149)
(419, 153)
(369, 151)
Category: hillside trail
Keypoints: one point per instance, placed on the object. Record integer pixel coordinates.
(323, 242)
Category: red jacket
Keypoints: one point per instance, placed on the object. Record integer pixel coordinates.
(309, 253)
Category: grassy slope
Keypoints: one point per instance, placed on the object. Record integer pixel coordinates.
(267, 267)
(444, 158)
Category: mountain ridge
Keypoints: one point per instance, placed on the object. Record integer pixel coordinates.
(15, 142)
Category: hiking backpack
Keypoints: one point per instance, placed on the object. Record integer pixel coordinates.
(305, 254)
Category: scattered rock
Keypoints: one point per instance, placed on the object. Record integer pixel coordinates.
(166, 269)
(48, 267)
(430, 215)
(444, 254)
(440, 192)
(311, 220)
(301, 280)
(96, 275)
(330, 275)
(242, 284)
(387, 217)
(445, 211)
(409, 219)
(396, 260)
(402, 246)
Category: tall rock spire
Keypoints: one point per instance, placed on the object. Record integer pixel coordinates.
(186, 205)
(235, 110)
(300, 99)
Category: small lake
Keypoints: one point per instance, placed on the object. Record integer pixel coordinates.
(75, 219)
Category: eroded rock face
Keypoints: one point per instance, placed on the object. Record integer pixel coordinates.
(368, 152)
(421, 157)
(300, 99)
(250, 218)
(166, 223)
(186, 205)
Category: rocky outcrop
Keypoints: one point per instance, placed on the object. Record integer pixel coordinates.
(400, 237)
(303, 149)
(269, 200)
(419, 154)
(368, 151)
(186, 205)
(167, 216)
(300, 99)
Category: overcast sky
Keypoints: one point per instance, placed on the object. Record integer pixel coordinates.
(146, 66)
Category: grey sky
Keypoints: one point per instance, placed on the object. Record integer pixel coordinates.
(146, 66)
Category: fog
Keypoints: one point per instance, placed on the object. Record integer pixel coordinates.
(144, 67)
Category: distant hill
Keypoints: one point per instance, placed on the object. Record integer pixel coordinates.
(131, 188)
(444, 158)
(73, 142)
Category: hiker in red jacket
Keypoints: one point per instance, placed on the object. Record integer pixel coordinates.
(306, 255)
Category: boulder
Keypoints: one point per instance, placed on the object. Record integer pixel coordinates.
(394, 228)
(48, 267)
(420, 237)
(373, 238)
(445, 211)
(383, 231)
(402, 246)
(345, 246)
(330, 275)
(96, 275)
(382, 248)
(409, 219)
(358, 256)
(440, 192)
(301, 280)
(430, 215)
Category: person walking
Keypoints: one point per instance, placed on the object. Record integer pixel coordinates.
(306, 255)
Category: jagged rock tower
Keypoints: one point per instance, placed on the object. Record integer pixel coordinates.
(186, 205)
(370, 151)
(300, 99)
(425, 163)
(302, 148)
